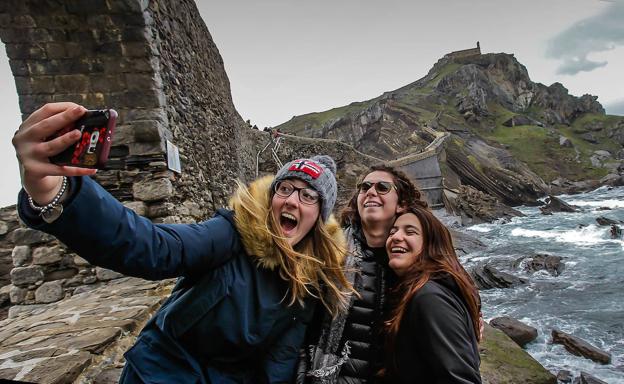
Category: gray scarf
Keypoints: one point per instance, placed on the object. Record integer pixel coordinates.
(320, 363)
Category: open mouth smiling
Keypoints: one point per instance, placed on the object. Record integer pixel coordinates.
(288, 221)
(398, 250)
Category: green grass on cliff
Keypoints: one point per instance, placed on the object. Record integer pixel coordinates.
(539, 147)
(316, 119)
(540, 150)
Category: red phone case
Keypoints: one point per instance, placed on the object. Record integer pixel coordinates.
(92, 150)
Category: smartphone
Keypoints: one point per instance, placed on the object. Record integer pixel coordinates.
(91, 151)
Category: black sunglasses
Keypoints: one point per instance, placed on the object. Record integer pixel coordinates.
(382, 187)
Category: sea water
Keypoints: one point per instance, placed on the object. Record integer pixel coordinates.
(585, 300)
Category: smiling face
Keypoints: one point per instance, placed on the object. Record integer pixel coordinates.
(374, 207)
(405, 243)
(294, 218)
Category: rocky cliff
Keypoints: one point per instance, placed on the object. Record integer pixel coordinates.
(510, 138)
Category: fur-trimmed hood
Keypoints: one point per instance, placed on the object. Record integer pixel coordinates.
(250, 224)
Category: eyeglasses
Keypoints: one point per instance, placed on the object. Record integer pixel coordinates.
(306, 195)
(382, 187)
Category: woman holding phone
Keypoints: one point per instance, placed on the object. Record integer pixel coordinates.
(433, 330)
(250, 276)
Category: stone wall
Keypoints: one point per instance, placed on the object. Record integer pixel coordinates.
(156, 64)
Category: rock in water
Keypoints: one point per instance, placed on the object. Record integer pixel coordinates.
(519, 332)
(586, 378)
(601, 220)
(550, 263)
(554, 204)
(488, 277)
(579, 347)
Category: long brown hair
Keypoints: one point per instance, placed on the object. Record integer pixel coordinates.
(408, 193)
(437, 257)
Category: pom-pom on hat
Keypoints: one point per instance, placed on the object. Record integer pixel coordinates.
(319, 172)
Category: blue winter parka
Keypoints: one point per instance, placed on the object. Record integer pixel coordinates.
(226, 321)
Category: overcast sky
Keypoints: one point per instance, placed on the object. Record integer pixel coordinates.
(290, 57)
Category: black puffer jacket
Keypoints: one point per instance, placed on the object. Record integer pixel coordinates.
(366, 316)
(326, 359)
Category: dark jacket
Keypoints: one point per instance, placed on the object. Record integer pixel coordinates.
(436, 342)
(226, 320)
(348, 349)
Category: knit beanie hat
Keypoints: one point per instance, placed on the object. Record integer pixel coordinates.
(319, 172)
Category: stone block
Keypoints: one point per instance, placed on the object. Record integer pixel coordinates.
(47, 255)
(17, 295)
(117, 151)
(104, 274)
(27, 236)
(23, 276)
(161, 209)
(23, 21)
(21, 255)
(37, 84)
(142, 81)
(136, 49)
(18, 67)
(5, 20)
(49, 292)
(25, 51)
(147, 131)
(85, 6)
(108, 82)
(4, 228)
(144, 149)
(72, 83)
(157, 114)
(55, 50)
(129, 6)
(79, 261)
(60, 274)
(136, 34)
(57, 21)
(152, 190)
(5, 297)
(100, 21)
(131, 19)
(73, 97)
(139, 207)
(30, 103)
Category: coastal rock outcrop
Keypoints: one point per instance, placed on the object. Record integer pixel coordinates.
(555, 204)
(504, 362)
(579, 347)
(519, 332)
(474, 206)
(486, 276)
(542, 262)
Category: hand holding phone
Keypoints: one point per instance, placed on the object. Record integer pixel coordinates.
(91, 151)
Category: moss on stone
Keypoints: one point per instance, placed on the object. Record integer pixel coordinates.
(504, 362)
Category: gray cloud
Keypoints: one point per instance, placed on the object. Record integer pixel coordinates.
(599, 33)
(615, 107)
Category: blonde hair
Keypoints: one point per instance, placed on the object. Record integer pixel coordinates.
(313, 267)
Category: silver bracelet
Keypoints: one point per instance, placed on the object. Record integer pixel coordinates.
(53, 204)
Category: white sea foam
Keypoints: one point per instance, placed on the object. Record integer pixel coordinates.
(483, 228)
(612, 203)
(591, 234)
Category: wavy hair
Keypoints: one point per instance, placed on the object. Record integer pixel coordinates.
(437, 257)
(314, 267)
(408, 193)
